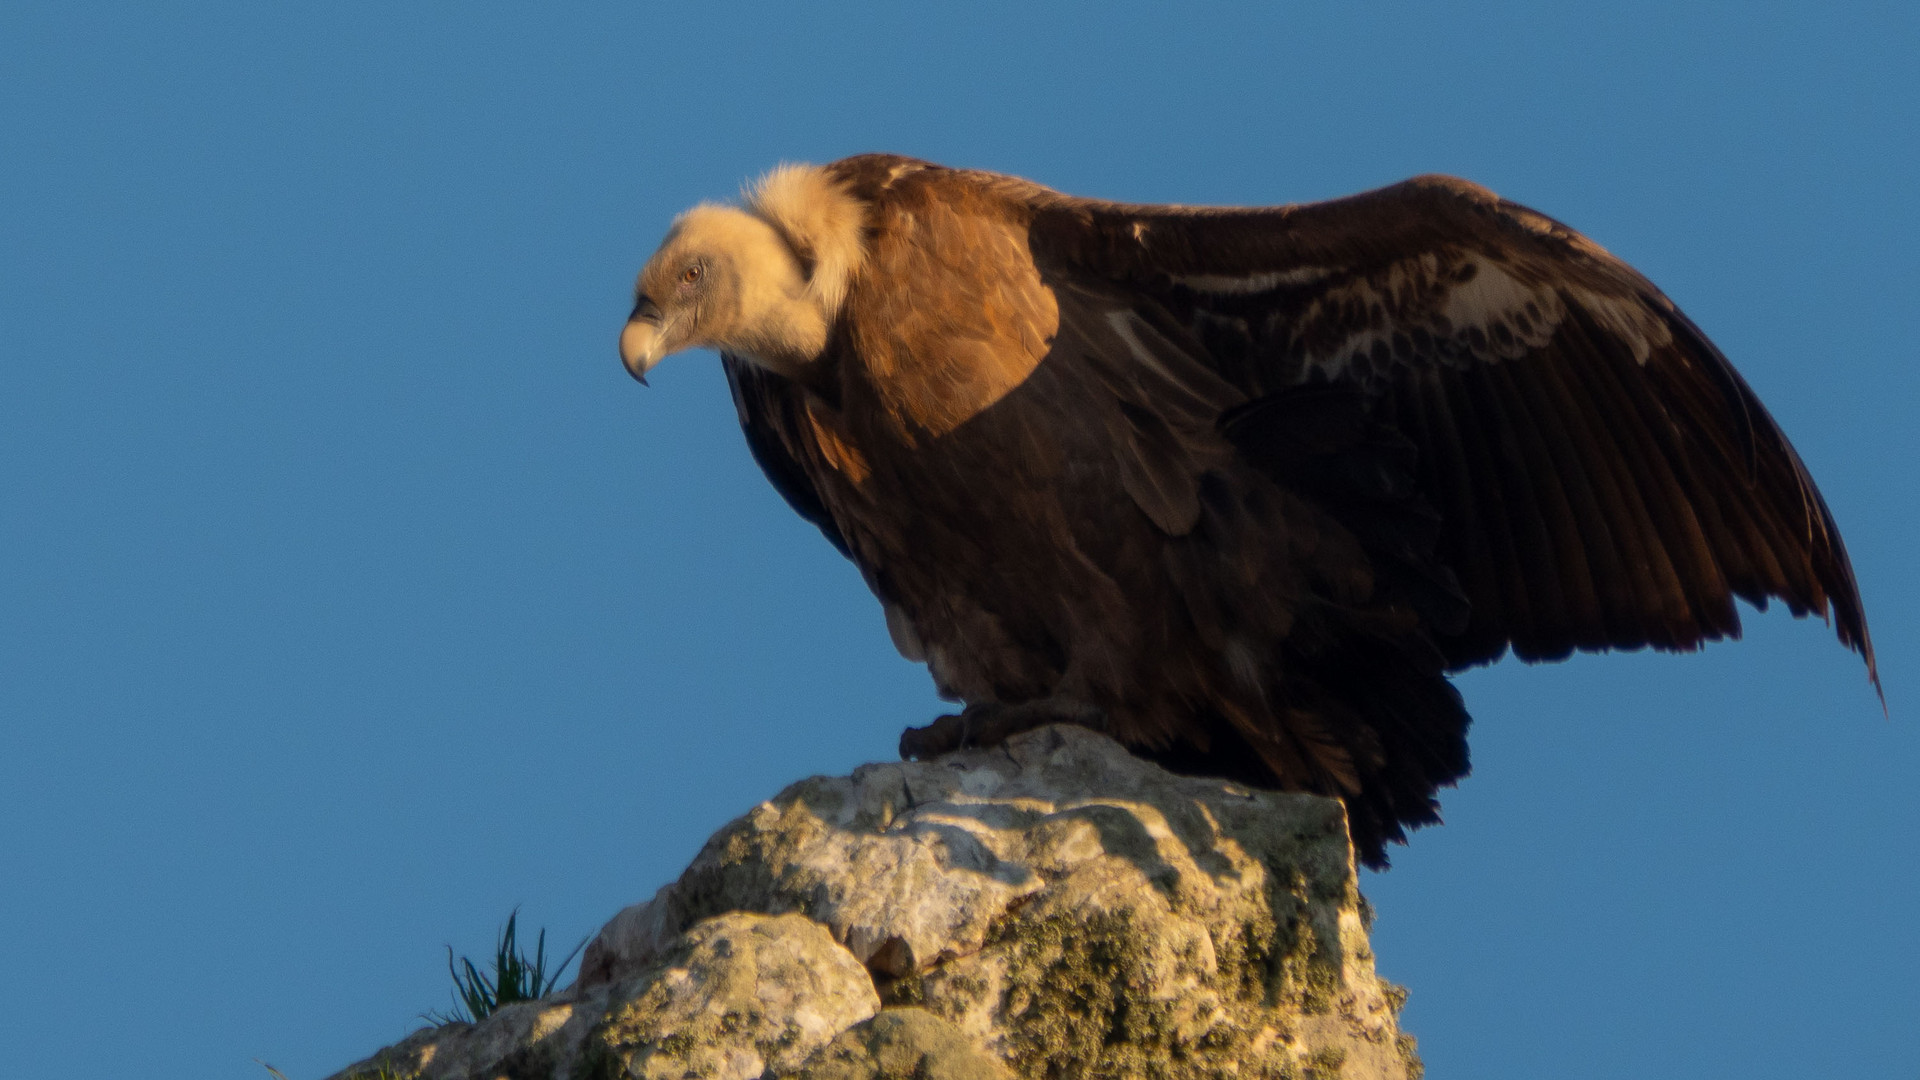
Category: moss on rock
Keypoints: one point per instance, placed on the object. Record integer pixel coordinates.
(903, 1044)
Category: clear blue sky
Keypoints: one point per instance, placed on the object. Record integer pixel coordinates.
(351, 594)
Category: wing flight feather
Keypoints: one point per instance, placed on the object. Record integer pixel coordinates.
(1603, 475)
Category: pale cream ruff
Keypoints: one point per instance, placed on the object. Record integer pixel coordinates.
(821, 222)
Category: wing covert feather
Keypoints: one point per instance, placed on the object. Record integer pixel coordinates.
(771, 416)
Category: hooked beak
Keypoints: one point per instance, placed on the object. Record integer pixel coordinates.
(641, 340)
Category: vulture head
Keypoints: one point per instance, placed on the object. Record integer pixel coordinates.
(763, 281)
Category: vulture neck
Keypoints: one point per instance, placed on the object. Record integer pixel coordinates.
(822, 223)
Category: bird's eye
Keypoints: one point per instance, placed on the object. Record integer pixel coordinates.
(691, 275)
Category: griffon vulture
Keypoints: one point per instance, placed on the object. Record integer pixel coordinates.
(1239, 487)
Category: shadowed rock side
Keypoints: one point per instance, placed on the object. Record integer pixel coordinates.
(1049, 908)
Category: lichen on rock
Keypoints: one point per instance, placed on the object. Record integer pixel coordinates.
(1049, 908)
(742, 995)
(903, 1044)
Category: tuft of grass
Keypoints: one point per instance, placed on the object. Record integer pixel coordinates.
(516, 977)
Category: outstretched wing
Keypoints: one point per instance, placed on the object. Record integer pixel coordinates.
(1604, 477)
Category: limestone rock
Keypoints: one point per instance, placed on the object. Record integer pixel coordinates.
(903, 1044)
(744, 996)
(1053, 907)
(738, 996)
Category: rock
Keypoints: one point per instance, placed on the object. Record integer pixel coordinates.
(903, 1044)
(1052, 907)
(744, 995)
(738, 996)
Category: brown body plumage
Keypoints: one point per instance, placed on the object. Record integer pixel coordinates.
(1240, 486)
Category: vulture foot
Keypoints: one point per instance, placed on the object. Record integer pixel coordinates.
(993, 723)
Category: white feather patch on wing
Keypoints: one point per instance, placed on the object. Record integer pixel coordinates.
(1122, 323)
(1248, 284)
(1499, 312)
(1493, 298)
(1632, 321)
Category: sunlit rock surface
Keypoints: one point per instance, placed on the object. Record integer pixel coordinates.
(1049, 908)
